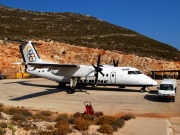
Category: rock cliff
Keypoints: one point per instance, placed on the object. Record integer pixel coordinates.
(65, 53)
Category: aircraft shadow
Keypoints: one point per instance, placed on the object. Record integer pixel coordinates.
(83, 89)
(57, 89)
(27, 83)
(153, 92)
(38, 94)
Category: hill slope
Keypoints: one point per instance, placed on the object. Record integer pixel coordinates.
(81, 30)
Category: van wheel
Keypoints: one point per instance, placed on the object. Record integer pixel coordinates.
(173, 100)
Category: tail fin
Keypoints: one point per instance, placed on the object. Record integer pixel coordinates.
(29, 53)
(27, 49)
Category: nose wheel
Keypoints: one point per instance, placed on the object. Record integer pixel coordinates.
(143, 89)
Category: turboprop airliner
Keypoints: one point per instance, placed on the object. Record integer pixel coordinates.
(72, 74)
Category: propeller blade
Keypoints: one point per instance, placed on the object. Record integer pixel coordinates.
(96, 78)
(102, 73)
(94, 66)
(115, 63)
(98, 62)
(97, 70)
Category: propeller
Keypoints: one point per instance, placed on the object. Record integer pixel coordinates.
(98, 69)
(115, 63)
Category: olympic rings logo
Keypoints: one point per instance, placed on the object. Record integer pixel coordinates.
(30, 54)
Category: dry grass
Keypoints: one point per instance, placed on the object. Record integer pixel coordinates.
(46, 113)
(105, 120)
(64, 122)
(62, 128)
(106, 129)
(81, 124)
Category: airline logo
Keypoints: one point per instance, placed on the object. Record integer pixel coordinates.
(31, 54)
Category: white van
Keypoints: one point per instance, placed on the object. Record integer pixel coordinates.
(167, 89)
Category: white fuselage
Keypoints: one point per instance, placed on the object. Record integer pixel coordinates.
(122, 76)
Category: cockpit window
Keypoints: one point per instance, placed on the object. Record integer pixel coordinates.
(166, 87)
(134, 72)
(138, 72)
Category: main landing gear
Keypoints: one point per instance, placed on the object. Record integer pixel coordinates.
(73, 82)
(143, 89)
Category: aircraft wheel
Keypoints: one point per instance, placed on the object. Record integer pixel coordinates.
(70, 91)
(142, 90)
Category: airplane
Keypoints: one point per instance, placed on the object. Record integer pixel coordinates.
(72, 74)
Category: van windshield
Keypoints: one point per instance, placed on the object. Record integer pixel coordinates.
(166, 87)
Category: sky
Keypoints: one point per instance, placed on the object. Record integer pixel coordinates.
(156, 19)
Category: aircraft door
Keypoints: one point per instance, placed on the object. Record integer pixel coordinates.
(113, 77)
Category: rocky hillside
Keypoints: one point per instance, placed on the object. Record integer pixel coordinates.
(80, 30)
(66, 53)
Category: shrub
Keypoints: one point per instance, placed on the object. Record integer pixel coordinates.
(98, 114)
(105, 120)
(1, 105)
(128, 117)
(12, 128)
(46, 113)
(49, 127)
(18, 116)
(89, 117)
(114, 127)
(71, 120)
(2, 131)
(62, 117)
(27, 128)
(77, 114)
(81, 124)
(119, 122)
(45, 133)
(3, 125)
(23, 111)
(39, 116)
(64, 52)
(63, 128)
(105, 128)
(2, 109)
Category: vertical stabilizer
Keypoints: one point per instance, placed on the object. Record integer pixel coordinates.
(29, 53)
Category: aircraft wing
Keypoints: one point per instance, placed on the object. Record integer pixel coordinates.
(53, 66)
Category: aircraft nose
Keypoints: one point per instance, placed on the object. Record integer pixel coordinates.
(155, 83)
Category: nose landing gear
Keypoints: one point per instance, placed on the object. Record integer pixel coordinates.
(143, 89)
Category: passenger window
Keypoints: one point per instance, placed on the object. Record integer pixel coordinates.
(106, 75)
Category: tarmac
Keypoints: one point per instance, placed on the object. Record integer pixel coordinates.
(152, 117)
